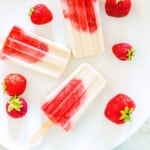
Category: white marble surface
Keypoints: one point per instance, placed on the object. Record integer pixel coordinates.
(140, 140)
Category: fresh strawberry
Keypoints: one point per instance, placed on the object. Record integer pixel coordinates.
(123, 51)
(40, 14)
(119, 109)
(16, 107)
(117, 8)
(14, 84)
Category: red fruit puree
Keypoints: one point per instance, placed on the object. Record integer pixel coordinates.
(81, 13)
(20, 45)
(61, 108)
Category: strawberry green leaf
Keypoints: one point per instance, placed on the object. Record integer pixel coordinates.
(14, 104)
(31, 11)
(131, 54)
(3, 87)
(126, 114)
(117, 1)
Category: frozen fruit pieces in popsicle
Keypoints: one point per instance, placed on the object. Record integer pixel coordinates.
(84, 27)
(66, 104)
(69, 100)
(23, 45)
(35, 52)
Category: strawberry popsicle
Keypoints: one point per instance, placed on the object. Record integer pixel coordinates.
(69, 101)
(82, 18)
(35, 52)
(66, 104)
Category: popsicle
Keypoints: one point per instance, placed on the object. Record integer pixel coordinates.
(35, 52)
(83, 23)
(68, 102)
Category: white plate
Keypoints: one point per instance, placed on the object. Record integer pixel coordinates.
(93, 131)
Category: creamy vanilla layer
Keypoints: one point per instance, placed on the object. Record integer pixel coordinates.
(85, 43)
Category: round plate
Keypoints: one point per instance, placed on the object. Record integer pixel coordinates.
(93, 130)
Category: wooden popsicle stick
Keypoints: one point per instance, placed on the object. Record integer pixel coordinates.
(43, 129)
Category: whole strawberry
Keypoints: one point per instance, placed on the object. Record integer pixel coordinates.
(14, 84)
(16, 107)
(123, 51)
(119, 109)
(117, 8)
(40, 14)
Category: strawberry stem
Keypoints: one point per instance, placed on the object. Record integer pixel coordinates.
(14, 104)
(3, 87)
(131, 54)
(126, 114)
(31, 11)
(117, 1)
